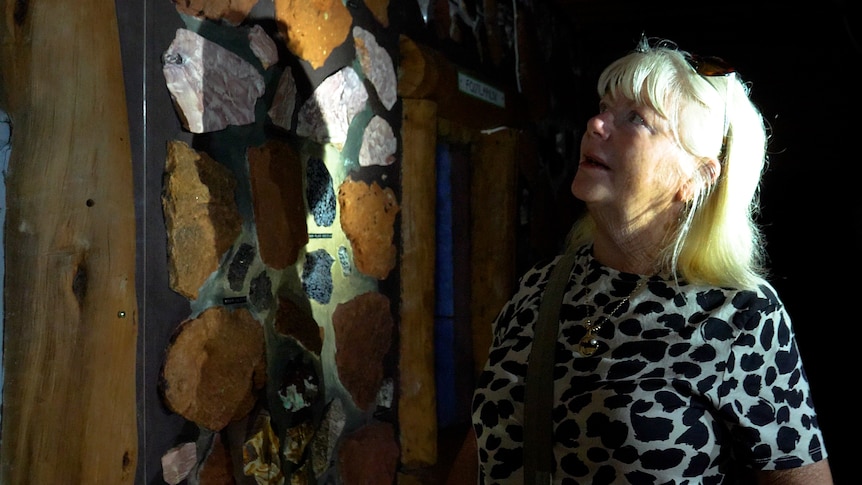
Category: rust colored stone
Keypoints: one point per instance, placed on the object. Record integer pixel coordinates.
(363, 333)
(201, 216)
(232, 11)
(293, 321)
(214, 366)
(313, 28)
(275, 170)
(369, 455)
(217, 467)
(368, 218)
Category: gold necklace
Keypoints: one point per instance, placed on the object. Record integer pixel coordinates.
(589, 343)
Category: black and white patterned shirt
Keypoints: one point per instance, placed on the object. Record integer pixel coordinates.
(690, 384)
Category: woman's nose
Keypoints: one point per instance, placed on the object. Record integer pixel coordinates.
(598, 125)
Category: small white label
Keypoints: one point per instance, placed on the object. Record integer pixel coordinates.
(481, 90)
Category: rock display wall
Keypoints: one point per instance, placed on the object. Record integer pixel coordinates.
(281, 226)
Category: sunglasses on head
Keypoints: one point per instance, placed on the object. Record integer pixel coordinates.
(709, 65)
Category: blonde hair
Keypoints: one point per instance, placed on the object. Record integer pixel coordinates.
(717, 240)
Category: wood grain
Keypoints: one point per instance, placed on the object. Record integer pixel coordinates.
(71, 319)
(417, 404)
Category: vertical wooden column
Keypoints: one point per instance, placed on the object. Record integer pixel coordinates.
(494, 207)
(69, 411)
(417, 404)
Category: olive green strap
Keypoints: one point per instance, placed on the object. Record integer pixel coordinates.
(539, 395)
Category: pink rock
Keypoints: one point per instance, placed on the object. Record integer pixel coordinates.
(210, 86)
(326, 116)
(284, 101)
(378, 144)
(178, 462)
(377, 66)
(263, 46)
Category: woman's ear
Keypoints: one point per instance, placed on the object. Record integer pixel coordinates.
(710, 170)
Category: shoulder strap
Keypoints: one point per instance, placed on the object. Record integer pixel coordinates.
(539, 395)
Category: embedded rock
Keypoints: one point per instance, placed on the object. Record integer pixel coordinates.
(261, 454)
(377, 66)
(369, 455)
(217, 467)
(317, 276)
(178, 462)
(262, 46)
(320, 193)
(363, 333)
(239, 264)
(296, 440)
(260, 292)
(367, 218)
(284, 101)
(378, 144)
(201, 216)
(313, 28)
(324, 441)
(326, 116)
(210, 86)
(276, 176)
(214, 366)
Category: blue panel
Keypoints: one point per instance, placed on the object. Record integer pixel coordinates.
(5, 150)
(444, 275)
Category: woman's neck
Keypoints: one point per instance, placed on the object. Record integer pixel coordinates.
(630, 246)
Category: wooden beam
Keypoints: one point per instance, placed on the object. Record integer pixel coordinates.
(494, 208)
(417, 404)
(69, 413)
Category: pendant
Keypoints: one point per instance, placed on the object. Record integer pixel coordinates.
(589, 344)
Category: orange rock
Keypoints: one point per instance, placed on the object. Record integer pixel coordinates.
(313, 28)
(368, 217)
(213, 367)
(201, 216)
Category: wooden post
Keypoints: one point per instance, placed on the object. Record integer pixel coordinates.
(69, 413)
(494, 192)
(417, 405)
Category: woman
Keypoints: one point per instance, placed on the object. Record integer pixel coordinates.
(675, 360)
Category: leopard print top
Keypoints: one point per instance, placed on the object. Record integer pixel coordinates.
(690, 384)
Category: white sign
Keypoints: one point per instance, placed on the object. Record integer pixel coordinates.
(481, 90)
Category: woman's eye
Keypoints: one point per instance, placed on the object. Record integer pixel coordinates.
(637, 119)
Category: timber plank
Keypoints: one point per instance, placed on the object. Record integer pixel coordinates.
(69, 411)
(417, 404)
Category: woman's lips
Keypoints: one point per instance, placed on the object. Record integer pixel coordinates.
(591, 162)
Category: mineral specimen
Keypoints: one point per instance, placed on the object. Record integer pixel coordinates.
(210, 86)
(378, 144)
(377, 66)
(214, 366)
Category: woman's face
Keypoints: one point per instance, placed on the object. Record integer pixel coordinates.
(630, 163)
